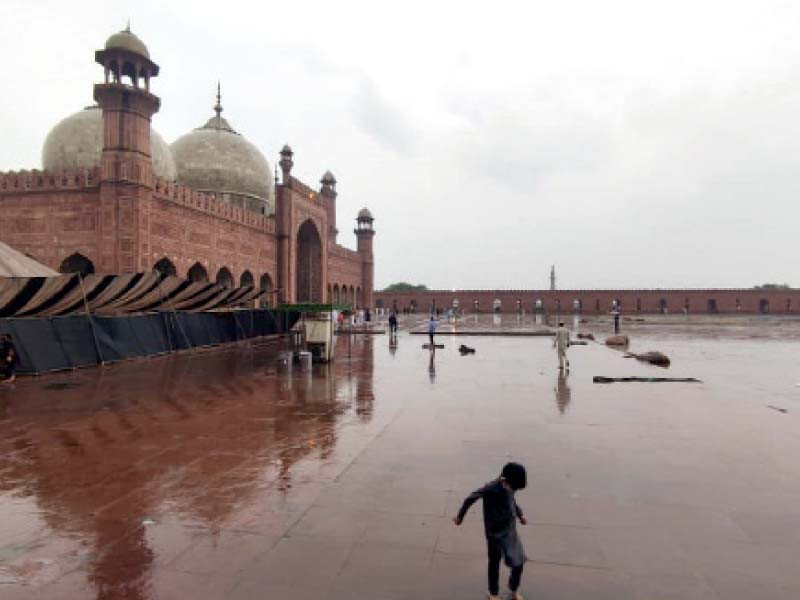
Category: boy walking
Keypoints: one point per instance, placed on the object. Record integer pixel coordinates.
(500, 512)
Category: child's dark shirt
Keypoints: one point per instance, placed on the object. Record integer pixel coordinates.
(500, 513)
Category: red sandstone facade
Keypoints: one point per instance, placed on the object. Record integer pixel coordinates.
(120, 217)
(693, 301)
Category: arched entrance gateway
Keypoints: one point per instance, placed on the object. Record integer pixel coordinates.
(309, 263)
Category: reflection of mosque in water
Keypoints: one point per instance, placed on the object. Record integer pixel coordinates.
(200, 438)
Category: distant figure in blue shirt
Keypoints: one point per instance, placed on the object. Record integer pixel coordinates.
(432, 329)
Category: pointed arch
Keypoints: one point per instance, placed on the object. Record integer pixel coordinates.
(336, 296)
(76, 263)
(247, 280)
(197, 273)
(165, 267)
(224, 278)
(265, 283)
(309, 263)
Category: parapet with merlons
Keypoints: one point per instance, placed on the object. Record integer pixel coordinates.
(16, 182)
(296, 185)
(209, 203)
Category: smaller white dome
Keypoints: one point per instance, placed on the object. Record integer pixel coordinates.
(215, 158)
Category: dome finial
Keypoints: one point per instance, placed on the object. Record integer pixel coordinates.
(128, 26)
(218, 105)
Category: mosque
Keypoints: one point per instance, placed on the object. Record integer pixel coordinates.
(114, 197)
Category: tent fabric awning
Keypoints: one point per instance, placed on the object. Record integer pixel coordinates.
(110, 295)
(14, 263)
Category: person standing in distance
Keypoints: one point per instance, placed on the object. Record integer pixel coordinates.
(562, 343)
(9, 358)
(432, 330)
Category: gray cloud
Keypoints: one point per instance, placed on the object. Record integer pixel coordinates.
(377, 117)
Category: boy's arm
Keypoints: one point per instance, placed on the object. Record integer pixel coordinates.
(520, 516)
(469, 501)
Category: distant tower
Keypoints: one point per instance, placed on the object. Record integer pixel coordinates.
(126, 166)
(328, 193)
(553, 278)
(364, 234)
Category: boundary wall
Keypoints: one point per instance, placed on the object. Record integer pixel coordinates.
(644, 301)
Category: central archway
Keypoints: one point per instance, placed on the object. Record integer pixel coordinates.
(309, 263)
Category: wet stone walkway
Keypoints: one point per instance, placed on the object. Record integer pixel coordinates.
(212, 476)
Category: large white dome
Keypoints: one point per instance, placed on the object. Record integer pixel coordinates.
(77, 142)
(215, 158)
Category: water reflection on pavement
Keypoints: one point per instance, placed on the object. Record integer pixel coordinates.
(213, 475)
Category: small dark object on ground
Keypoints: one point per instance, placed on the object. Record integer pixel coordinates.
(62, 385)
(436, 346)
(617, 340)
(466, 350)
(578, 343)
(583, 321)
(781, 410)
(586, 336)
(654, 358)
(602, 379)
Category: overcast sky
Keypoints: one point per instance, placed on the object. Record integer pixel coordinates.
(631, 144)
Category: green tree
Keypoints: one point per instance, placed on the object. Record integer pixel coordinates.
(402, 286)
(773, 286)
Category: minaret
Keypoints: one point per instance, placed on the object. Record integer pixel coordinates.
(283, 224)
(553, 278)
(126, 167)
(364, 234)
(328, 193)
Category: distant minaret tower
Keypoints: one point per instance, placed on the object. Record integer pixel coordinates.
(553, 278)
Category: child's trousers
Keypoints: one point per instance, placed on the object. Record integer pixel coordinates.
(495, 555)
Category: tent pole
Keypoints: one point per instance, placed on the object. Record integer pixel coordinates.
(91, 320)
(175, 316)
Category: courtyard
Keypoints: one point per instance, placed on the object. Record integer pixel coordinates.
(215, 475)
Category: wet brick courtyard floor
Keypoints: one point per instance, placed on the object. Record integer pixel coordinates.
(212, 476)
